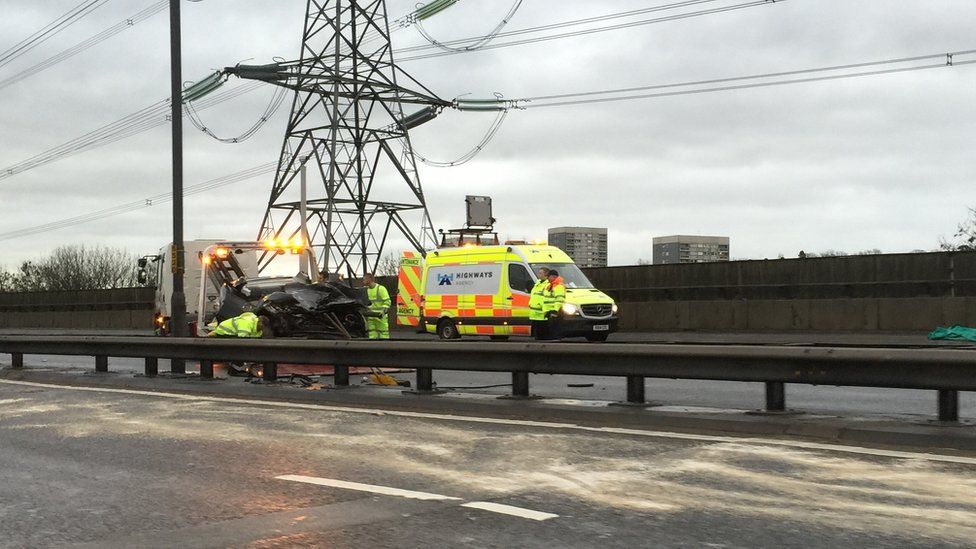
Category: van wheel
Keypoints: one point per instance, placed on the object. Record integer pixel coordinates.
(498, 338)
(597, 338)
(446, 329)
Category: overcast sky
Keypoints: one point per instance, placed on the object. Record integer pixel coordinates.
(874, 162)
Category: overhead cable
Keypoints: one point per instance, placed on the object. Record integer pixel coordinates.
(759, 81)
(499, 105)
(147, 202)
(93, 40)
(140, 121)
(50, 30)
(563, 24)
(477, 44)
(584, 32)
(276, 100)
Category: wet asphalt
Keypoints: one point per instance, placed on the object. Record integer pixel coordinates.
(111, 469)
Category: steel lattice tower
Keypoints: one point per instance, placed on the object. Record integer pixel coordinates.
(363, 185)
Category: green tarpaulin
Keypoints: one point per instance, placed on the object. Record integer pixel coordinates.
(955, 332)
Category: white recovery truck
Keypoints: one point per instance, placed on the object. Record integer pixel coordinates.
(222, 281)
(194, 285)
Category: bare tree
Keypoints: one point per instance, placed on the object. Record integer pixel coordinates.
(6, 281)
(75, 268)
(965, 238)
(27, 278)
(389, 265)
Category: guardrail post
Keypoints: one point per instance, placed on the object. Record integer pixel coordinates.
(425, 380)
(520, 384)
(948, 405)
(775, 396)
(206, 369)
(635, 389)
(270, 371)
(152, 366)
(341, 376)
(17, 360)
(101, 363)
(177, 366)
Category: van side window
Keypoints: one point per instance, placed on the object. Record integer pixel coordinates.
(519, 278)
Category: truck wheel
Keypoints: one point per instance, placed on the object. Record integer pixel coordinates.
(446, 329)
(597, 338)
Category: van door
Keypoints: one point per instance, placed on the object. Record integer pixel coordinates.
(519, 288)
(409, 298)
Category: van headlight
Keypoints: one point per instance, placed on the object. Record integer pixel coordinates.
(569, 309)
(614, 308)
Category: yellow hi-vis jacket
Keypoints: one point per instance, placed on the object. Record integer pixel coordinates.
(379, 299)
(243, 325)
(555, 296)
(537, 300)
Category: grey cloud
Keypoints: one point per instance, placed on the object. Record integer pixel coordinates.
(872, 162)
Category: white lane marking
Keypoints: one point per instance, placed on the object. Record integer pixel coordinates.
(427, 496)
(371, 488)
(509, 510)
(517, 422)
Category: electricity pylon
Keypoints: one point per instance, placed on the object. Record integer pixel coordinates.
(348, 128)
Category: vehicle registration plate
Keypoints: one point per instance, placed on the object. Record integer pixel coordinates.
(601, 328)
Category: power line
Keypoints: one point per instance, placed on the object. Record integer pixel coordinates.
(48, 31)
(147, 202)
(276, 100)
(477, 44)
(553, 26)
(140, 121)
(584, 32)
(93, 40)
(591, 97)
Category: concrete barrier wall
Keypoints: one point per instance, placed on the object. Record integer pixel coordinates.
(896, 292)
(940, 274)
(918, 314)
(124, 308)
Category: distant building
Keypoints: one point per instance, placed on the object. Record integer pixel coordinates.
(586, 245)
(690, 249)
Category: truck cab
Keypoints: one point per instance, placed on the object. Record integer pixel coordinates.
(193, 283)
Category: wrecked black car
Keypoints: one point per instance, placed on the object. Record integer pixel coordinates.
(297, 307)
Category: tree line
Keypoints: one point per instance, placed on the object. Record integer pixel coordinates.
(73, 268)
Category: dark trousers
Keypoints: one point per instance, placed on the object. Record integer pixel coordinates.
(544, 330)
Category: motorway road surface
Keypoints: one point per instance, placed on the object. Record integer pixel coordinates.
(117, 468)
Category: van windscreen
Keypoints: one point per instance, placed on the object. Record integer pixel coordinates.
(573, 277)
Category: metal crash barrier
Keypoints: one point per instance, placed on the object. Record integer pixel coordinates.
(946, 371)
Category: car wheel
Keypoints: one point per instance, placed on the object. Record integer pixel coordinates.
(446, 329)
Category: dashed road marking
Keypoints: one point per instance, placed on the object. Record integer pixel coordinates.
(371, 488)
(795, 444)
(509, 510)
(499, 508)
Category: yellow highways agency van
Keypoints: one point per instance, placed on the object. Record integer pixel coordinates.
(484, 290)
